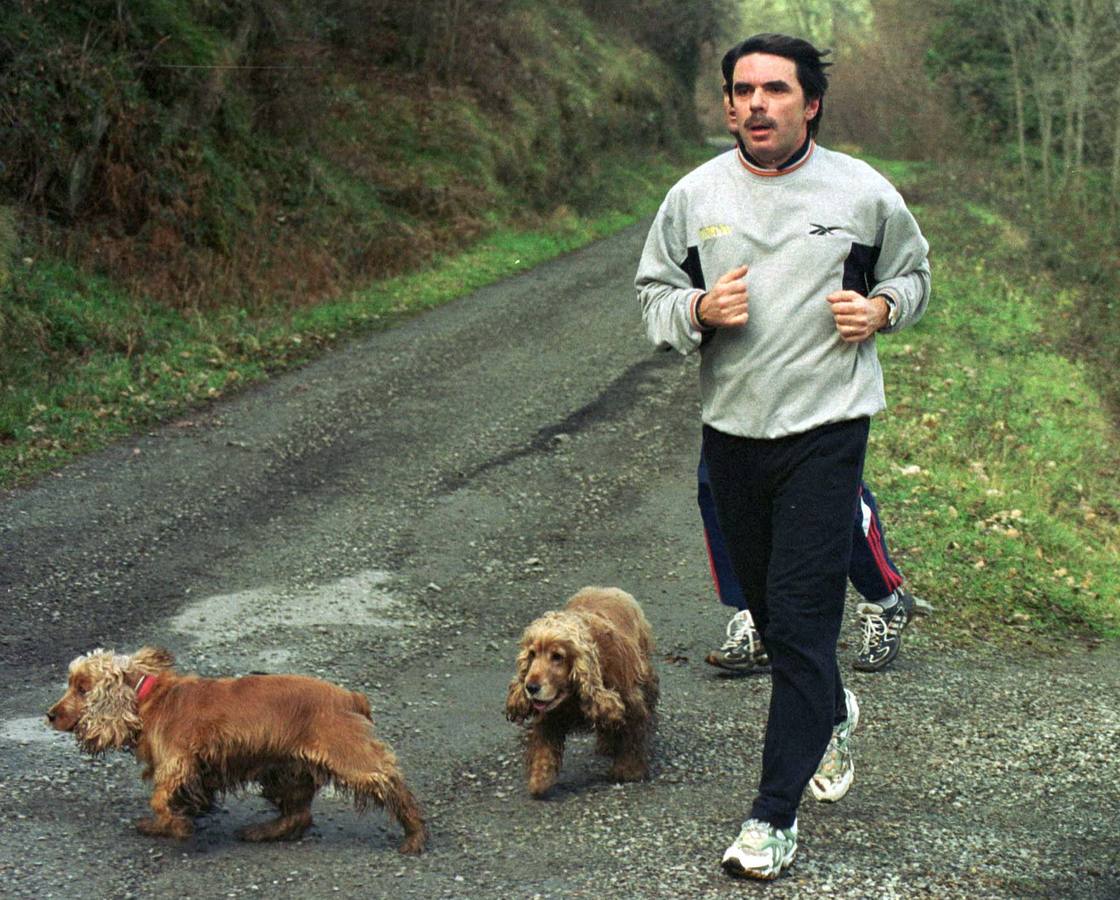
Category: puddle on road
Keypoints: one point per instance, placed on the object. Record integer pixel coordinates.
(357, 601)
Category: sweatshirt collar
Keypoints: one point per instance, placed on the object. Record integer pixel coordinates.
(799, 158)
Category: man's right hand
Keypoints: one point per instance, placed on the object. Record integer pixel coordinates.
(726, 304)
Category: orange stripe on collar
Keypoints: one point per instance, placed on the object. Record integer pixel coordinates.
(774, 173)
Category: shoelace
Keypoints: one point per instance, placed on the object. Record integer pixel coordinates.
(831, 761)
(737, 630)
(874, 629)
(758, 833)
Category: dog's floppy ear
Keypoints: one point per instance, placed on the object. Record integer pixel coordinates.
(518, 708)
(109, 720)
(598, 703)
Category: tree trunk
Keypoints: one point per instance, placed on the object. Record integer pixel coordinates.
(1114, 197)
(1045, 135)
(1012, 39)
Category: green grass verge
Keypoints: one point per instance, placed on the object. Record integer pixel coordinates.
(82, 363)
(997, 461)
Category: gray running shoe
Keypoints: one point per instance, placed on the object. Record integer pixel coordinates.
(761, 850)
(743, 650)
(882, 630)
(837, 768)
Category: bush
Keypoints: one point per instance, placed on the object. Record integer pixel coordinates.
(215, 152)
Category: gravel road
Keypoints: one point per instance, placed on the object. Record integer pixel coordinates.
(390, 518)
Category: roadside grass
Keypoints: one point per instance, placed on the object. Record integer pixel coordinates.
(83, 363)
(997, 461)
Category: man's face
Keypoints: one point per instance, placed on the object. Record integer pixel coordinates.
(767, 107)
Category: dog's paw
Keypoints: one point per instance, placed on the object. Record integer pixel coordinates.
(413, 844)
(630, 770)
(285, 828)
(172, 828)
(541, 785)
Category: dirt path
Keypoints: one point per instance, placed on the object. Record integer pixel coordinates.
(390, 518)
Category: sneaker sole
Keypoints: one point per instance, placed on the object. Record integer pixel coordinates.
(744, 668)
(839, 792)
(878, 666)
(733, 867)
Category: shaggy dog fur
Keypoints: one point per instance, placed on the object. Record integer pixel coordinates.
(586, 667)
(201, 736)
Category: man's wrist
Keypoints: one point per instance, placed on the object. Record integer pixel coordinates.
(892, 311)
(696, 317)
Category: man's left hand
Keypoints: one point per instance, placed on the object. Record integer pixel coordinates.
(857, 317)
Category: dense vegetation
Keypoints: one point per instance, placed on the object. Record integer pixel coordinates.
(221, 151)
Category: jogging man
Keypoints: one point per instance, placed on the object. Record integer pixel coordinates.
(780, 261)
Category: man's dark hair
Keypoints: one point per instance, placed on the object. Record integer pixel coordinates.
(807, 58)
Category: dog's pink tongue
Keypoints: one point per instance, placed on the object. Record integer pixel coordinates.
(540, 705)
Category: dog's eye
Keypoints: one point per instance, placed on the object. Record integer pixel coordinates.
(531, 654)
(81, 690)
(557, 657)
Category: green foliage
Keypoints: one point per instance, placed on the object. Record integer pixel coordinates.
(825, 23)
(214, 152)
(969, 55)
(9, 250)
(674, 30)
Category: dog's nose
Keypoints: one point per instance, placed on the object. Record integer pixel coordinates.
(532, 687)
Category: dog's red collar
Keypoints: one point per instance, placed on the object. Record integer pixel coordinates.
(144, 686)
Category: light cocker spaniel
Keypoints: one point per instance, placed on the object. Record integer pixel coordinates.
(199, 737)
(586, 667)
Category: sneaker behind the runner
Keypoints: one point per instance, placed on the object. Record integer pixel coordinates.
(743, 650)
(761, 850)
(837, 767)
(882, 632)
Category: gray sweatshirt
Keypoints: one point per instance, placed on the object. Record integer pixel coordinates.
(828, 223)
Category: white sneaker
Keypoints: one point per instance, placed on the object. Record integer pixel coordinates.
(761, 850)
(837, 768)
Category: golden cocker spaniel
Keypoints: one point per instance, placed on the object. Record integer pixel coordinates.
(586, 667)
(198, 737)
